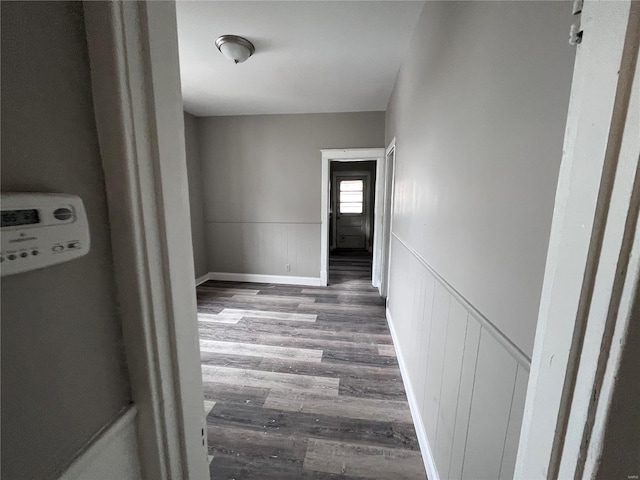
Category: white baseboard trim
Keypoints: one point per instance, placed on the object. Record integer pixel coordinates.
(112, 453)
(425, 448)
(260, 278)
(202, 279)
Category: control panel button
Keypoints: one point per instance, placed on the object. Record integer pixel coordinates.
(40, 230)
(63, 213)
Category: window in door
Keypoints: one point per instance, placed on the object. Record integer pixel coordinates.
(351, 196)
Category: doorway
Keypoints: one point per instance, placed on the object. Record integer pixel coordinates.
(351, 221)
(352, 199)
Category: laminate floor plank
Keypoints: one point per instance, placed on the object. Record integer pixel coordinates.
(233, 466)
(340, 370)
(386, 350)
(363, 460)
(253, 328)
(230, 360)
(260, 350)
(359, 408)
(234, 394)
(302, 383)
(323, 369)
(265, 420)
(274, 299)
(270, 380)
(266, 314)
(359, 358)
(292, 340)
(256, 443)
(382, 389)
(219, 318)
(341, 309)
(227, 291)
(322, 292)
(351, 300)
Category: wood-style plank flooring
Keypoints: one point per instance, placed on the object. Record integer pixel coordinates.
(303, 382)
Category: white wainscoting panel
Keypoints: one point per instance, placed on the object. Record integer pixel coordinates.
(264, 248)
(490, 408)
(463, 403)
(466, 379)
(449, 390)
(112, 455)
(508, 466)
(435, 360)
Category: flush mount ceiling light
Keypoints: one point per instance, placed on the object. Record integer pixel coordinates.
(236, 49)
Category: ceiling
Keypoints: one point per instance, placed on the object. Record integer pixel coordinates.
(311, 57)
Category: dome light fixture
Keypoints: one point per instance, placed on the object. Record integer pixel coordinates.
(236, 49)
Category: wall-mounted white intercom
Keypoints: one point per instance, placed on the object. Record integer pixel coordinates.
(41, 229)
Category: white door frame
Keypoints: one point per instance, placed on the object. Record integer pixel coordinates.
(593, 262)
(349, 155)
(387, 218)
(133, 54)
(367, 207)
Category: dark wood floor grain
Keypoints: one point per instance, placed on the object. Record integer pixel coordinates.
(303, 382)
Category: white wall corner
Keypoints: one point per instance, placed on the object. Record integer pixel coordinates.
(425, 449)
(202, 279)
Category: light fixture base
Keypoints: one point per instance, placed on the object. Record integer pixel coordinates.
(236, 40)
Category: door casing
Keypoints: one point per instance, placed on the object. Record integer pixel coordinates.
(135, 77)
(351, 155)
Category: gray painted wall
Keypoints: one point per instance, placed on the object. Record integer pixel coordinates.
(261, 180)
(478, 111)
(63, 365)
(194, 173)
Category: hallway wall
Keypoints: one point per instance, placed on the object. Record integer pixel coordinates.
(478, 112)
(261, 186)
(194, 172)
(64, 376)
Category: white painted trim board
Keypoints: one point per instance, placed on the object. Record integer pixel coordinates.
(202, 279)
(425, 448)
(141, 137)
(386, 226)
(113, 453)
(262, 278)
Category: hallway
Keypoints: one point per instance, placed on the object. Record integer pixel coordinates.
(302, 382)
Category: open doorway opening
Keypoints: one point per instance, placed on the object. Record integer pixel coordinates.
(351, 222)
(352, 200)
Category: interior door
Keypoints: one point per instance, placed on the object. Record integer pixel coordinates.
(352, 220)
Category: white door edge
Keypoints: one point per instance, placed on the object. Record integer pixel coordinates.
(138, 108)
